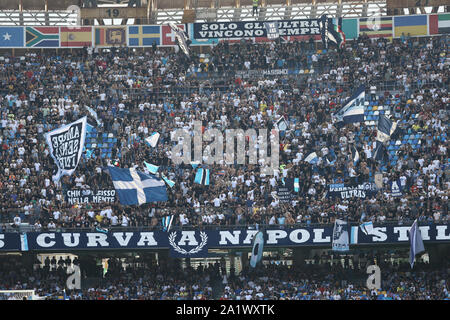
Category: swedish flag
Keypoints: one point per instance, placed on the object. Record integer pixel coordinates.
(142, 36)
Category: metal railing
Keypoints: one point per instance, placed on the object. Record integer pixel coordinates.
(162, 92)
(9, 227)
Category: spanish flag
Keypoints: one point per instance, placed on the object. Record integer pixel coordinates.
(76, 36)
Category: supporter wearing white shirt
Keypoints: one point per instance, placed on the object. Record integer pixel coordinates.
(125, 220)
(183, 219)
(56, 214)
(217, 202)
(114, 220)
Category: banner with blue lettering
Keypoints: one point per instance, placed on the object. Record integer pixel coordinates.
(188, 243)
(343, 191)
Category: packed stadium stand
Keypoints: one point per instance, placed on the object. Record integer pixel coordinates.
(127, 93)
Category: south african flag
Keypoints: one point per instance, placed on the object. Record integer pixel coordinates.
(42, 37)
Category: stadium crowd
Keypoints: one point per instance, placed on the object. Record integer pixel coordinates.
(146, 281)
(137, 92)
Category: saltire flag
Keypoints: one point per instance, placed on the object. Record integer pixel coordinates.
(76, 36)
(439, 23)
(353, 109)
(42, 37)
(340, 236)
(153, 139)
(110, 36)
(66, 146)
(355, 155)
(202, 176)
(167, 222)
(144, 36)
(415, 25)
(376, 27)
(272, 30)
(312, 158)
(170, 183)
(93, 113)
(182, 38)
(367, 228)
(385, 128)
(416, 242)
(135, 187)
(151, 167)
(380, 153)
(257, 249)
(11, 37)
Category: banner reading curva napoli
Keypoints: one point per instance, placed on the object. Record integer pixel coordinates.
(191, 242)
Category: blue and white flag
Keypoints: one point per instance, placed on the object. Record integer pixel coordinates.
(272, 30)
(416, 242)
(257, 249)
(23, 242)
(136, 188)
(170, 183)
(202, 176)
(312, 158)
(296, 184)
(11, 37)
(281, 124)
(66, 146)
(102, 230)
(355, 155)
(331, 157)
(153, 139)
(89, 153)
(385, 128)
(151, 167)
(94, 115)
(353, 109)
(340, 236)
(195, 164)
(380, 153)
(167, 222)
(367, 228)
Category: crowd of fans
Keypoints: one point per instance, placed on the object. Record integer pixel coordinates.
(137, 92)
(319, 280)
(275, 282)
